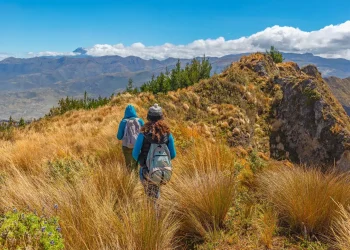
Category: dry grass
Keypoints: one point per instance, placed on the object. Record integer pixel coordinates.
(140, 228)
(201, 202)
(266, 225)
(206, 157)
(306, 198)
(86, 209)
(341, 229)
(76, 162)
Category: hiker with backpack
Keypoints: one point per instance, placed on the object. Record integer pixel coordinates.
(154, 150)
(128, 131)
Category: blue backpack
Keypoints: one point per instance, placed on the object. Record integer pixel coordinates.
(159, 164)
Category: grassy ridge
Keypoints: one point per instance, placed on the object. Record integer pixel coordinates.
(212, 198)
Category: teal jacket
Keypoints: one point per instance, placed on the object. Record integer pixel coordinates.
(130, 112)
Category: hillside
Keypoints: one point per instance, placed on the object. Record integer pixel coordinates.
(240, 136)
(105, 75)
(341, 90)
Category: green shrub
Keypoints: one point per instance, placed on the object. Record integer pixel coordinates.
(277, 56)
(29, 231)
(256, 163)
(312, 95)
(7, 134)
(67, 104)
(65, 168)
(179, 77)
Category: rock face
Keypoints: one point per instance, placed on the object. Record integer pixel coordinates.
(310, 126)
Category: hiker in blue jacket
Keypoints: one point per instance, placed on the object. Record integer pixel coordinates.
(129, 129)
(154, 134)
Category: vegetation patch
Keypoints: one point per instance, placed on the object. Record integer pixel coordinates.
(275, 54)
(67, 104)
(29, 231)
(312, 95)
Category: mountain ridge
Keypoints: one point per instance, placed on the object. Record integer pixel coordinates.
(72, 75)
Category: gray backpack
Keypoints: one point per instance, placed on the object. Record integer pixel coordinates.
(131, 131)
(159, 164)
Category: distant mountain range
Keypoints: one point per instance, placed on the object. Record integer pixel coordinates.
(341, 90)
(72, 75)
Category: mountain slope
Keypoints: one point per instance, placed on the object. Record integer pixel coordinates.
(341, 89)
(281, 109)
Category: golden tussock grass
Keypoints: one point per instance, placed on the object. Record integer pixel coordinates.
(267, 225)
(306, 198)
(104, 210)
(201, 201)
(139, 227)
(80, 167)
(86, 207)
(206, 157)
(341, 229)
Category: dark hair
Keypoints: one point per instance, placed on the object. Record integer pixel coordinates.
(158, 129)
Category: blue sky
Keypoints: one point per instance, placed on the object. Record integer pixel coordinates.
(62, 25)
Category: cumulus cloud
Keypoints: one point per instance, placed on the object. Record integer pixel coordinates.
(331, 41)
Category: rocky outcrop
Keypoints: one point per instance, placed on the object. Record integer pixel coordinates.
(311, 70)
(309, 125)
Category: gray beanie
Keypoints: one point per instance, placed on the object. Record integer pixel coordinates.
(155, 113)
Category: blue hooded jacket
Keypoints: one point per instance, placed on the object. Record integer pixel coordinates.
(130, 112)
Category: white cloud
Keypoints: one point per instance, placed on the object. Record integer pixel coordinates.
(331, 41)
(4, 55)
(50, 53)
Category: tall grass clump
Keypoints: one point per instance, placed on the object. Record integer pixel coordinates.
(201, 202)
(86, 208)
(206, 157)
(139, 227)
(341, 229)
(306, 198)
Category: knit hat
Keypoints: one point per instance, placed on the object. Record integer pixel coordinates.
(155, 113)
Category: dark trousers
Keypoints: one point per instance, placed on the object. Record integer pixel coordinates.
(130, 163)
(152, 190)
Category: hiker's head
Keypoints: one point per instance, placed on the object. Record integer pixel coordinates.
(130, 111)
(155, 113)
(158, 129)
(155, 125)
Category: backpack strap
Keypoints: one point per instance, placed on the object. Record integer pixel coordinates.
(166, 149)
(133, 118)
(136, 122)
(161, 180)
(125, 128)
(143, 144)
